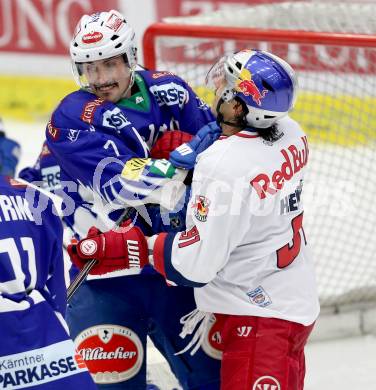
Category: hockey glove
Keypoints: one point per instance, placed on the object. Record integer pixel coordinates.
(185, 155)
(123, 248)
(169, 141)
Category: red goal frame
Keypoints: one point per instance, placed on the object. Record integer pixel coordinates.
(282, 36)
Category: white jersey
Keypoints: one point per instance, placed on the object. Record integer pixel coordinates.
(244, 248)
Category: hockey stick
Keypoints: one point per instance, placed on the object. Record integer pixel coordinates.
(81, 276)
(79, 279)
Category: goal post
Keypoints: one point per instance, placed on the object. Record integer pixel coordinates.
(167, 30)
(336, 106)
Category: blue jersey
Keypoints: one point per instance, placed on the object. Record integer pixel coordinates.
(104, 147)
(45, 173)
(36, 349)
(10, 151)
(29, 261)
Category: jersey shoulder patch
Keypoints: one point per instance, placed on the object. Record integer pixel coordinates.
(159, 77)
(15, 184)
(78, 110)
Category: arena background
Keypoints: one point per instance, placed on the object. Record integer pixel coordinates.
(35, 75)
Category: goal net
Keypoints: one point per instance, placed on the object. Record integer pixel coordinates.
(332, 46)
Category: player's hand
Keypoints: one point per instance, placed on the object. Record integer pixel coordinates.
(123, 248)
(185, 155)
(169, 141)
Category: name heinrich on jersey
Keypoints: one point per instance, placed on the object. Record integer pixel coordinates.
(294, 161)
(14, 208)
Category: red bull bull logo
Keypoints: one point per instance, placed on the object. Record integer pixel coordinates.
(201, 208)
(247, 86)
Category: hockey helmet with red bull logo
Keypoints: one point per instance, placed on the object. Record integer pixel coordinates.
(101, 36)
(265, 83)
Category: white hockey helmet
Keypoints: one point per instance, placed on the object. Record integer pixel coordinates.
(100, 36)
(263, 82)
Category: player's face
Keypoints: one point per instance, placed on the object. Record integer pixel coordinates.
(108, 79)
(228, 110)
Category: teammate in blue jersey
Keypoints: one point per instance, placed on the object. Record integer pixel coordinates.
(101, 137)
(9, 153)
(45, 173)
(35, 350)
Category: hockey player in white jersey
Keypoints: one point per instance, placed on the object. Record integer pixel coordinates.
(244, 248)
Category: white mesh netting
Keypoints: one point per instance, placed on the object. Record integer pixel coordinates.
(357, 18)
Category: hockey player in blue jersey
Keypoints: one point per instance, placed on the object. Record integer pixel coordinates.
(36, 351)
(9, 153)
(101, 137)
(45, 173)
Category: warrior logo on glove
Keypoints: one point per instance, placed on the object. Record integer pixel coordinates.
(133, 254)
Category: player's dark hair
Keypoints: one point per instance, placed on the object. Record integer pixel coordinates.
(270, 134)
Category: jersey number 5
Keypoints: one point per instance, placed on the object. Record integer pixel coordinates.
(287, 254)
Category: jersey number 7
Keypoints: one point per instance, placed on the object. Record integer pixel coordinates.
(287, 254)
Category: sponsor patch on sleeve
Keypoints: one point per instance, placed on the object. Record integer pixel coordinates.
(162, 168)
(157, 75)
(133, 168)
(201, 208)
(53, 131)
(45, 151)
(16, 183)
(51, 177)
(89, 110)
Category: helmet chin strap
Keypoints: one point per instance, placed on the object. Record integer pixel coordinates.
(239, 124)
(130, 85)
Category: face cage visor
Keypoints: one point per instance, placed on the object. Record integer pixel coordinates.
(217, 80)
(86, 73)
